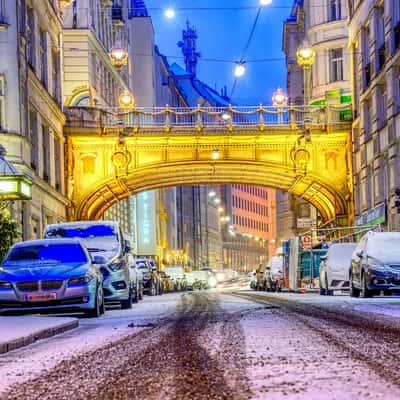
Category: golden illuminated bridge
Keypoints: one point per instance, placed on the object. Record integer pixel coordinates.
(305, 151)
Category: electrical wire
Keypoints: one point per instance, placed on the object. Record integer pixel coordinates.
(246, 48)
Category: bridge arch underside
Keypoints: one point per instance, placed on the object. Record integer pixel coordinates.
(98, 197)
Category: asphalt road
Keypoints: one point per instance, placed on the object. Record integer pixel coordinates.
(233, 344)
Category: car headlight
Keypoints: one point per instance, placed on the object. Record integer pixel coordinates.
(5, 285)
(82, 280)
(116, 266)
(376, 266)
(212, 282)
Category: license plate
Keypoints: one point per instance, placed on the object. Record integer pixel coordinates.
(38, 297)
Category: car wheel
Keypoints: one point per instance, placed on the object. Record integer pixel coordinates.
(127, 304)
(153, 290)
(365, 293)
(94, 312)
(328, 292)
(354, 292)
(141, 291)
(135, 297)
(103, 305)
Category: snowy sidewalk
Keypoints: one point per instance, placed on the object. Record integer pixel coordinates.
(21, 331)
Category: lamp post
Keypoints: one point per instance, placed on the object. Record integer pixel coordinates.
(13, 184)
(118, 55)
(305, 58)
(279, 100)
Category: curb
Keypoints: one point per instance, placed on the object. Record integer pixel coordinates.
(44, 334)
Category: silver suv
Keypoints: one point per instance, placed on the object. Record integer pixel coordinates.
(104, 240)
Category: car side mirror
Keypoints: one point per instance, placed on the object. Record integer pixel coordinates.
(127, 246)
(360, 253)
(99, 260)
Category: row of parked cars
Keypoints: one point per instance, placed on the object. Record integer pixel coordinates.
(81, 266)
(367, 268)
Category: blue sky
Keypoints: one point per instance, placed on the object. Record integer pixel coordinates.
(223, 35)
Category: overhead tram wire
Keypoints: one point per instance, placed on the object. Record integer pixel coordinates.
(250, 38)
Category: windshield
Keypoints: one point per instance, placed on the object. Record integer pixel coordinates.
(95, 237)
(55, 253)
(385, 248)
(341, 254)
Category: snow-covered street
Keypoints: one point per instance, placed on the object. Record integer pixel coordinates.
(222, 344)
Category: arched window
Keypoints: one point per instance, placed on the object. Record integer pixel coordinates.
(82, 101)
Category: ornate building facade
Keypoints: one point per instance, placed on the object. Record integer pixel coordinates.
(31, 117)
(323, 27)
(375, 58)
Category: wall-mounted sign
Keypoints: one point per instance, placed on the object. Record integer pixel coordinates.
(146, 223)
(304, 222)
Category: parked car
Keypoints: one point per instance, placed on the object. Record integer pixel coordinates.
(192, 282)
(252, 276)
(136, 279)
(334, 268)
(51, 275)
(151, 280)
(204, 279)
(103, 239)
(167, 284)
(178, 276)
(375, 265)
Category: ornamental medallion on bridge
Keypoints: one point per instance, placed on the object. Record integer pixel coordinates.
(121, 159)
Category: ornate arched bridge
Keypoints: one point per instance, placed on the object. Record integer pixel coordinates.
(305, 151)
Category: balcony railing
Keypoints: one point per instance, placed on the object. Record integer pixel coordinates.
(207, 117)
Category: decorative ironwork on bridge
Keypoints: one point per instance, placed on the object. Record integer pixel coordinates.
(262, 117)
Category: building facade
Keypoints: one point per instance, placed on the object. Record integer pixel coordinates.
(374, 31)
(31, 117)
(323, 26)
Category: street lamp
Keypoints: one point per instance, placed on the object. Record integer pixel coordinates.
(212, 194)
(126, 100)
(215, 154)
(13, 184)
(240, 69)
(265, 2)
(306, 58)
(279, 100)
(169, 13)
(118, 55)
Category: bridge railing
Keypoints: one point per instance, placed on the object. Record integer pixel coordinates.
(262, 116)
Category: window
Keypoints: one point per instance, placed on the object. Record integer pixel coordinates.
(2, 12)
(336, 65)
(55, 76)
(22, 16)
(2, 104)
(381, 105)
(43, 57)
(33, 133)
(46, 153)
(30, 33)
(334, 10)
(380, 40)
(58, 161)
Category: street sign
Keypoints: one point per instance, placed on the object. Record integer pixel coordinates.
(304, 222)
(306, 241)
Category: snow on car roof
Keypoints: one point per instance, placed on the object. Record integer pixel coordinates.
(82, 224)
(47, 242)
